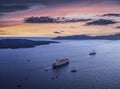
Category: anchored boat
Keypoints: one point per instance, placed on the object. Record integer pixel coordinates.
(61, 62)
(92, 53)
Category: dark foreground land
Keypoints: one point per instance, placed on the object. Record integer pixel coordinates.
(22, 43)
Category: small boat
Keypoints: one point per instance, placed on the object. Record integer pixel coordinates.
(73, 70)
(61, 62)
(92, 53)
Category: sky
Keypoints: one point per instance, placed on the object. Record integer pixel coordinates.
(70, 17)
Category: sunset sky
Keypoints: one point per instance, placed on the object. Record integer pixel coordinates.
(14, 12)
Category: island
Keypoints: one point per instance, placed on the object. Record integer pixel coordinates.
(22, 43)
(86, 37)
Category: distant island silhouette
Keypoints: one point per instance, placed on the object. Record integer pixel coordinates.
(21, 43)
(86, 37)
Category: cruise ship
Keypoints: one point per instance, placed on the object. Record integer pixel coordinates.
(61, 62)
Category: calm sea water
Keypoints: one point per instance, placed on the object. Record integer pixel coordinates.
(100, 71)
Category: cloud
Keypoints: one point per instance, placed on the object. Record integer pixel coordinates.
(8, 24)
(76, 20)
(112, 14)
(1, 14)
(101, 22)
(2, 32)
(12, 8)
(58, 1)
(7, 8)
(48, 19)
(57, 32)
(118, 27)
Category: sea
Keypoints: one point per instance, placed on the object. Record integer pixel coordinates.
(31, 68)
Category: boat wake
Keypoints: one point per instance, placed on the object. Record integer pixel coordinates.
(48, 68)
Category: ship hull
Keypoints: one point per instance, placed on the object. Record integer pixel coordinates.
(92, 53)
(60, 65)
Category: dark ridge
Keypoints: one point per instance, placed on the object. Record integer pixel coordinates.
(86, 37)
(22, 43)
(112, 14)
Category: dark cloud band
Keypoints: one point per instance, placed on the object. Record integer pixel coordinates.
(48, 2)
(49, 19)
(112, 15)
(101, 22)
(12, 8)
